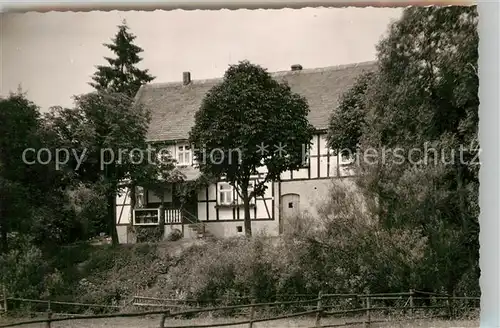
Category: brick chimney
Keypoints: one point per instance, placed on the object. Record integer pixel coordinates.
(296, 67)
(186, 78)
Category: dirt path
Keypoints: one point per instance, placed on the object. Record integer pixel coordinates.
(153, 322)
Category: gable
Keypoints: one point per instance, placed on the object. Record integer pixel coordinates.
(173, 105)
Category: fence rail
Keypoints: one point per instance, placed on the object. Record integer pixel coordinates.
(62, 303)
(319, 304)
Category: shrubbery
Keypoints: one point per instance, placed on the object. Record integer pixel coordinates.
(344, 251)
(225, 269)
(25, 273)
(112, 275)
(176, 234)
(150, 234)
(89, 274)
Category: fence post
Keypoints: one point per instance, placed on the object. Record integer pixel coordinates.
(163, 318)
(319, 310)
(49, 319)
(368, 314)
(411, 302)
(252, 313)
(450, 306)
(4, 291)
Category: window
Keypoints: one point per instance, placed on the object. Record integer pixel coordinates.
(184, 155)
(146, 216)
(225, 194)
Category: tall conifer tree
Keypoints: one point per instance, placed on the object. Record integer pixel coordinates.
(121, 75)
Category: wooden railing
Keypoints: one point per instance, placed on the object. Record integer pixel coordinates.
(363, 310)
(152, 216)
(168, 217)
(193, 220)
(173, 216)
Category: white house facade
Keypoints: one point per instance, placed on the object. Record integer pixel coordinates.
(217, 208)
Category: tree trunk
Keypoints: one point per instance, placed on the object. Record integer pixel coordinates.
(111, 198)
(3, 240)
(3, 232)
(132, 195)
(161, 219)
(246, 207)
(111, 203)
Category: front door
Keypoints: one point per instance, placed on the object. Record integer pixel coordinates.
(290, 208)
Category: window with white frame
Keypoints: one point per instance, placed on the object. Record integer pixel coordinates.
(225, 194)
(184, 155)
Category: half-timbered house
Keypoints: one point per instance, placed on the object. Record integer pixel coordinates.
(217, 207)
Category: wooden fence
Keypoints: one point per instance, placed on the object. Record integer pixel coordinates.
(363, 308)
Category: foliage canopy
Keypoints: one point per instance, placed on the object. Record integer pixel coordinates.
(419, 113)
(242, 123)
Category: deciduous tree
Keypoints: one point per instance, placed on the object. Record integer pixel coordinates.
(29, 184)
(110, 130)
(421, 116)
(347, 121)
(241, 125)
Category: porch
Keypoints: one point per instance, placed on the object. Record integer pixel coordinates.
(155, 215)
(171, 219)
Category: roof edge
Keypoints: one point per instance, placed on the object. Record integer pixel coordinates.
(184, 140)
(160, 85)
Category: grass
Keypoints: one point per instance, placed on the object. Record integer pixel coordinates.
(154, 321)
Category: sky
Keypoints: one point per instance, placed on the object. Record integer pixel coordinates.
(53, 55)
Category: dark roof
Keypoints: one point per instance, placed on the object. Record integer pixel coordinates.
(173, 105)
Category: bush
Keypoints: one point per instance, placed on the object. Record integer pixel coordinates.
(176, 234)
(352, 252)
(112, 274)
(225, 269)
(151, 234)
(90, 206)
(25, 273)
(344, 251)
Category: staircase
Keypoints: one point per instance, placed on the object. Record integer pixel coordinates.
(197, 227)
